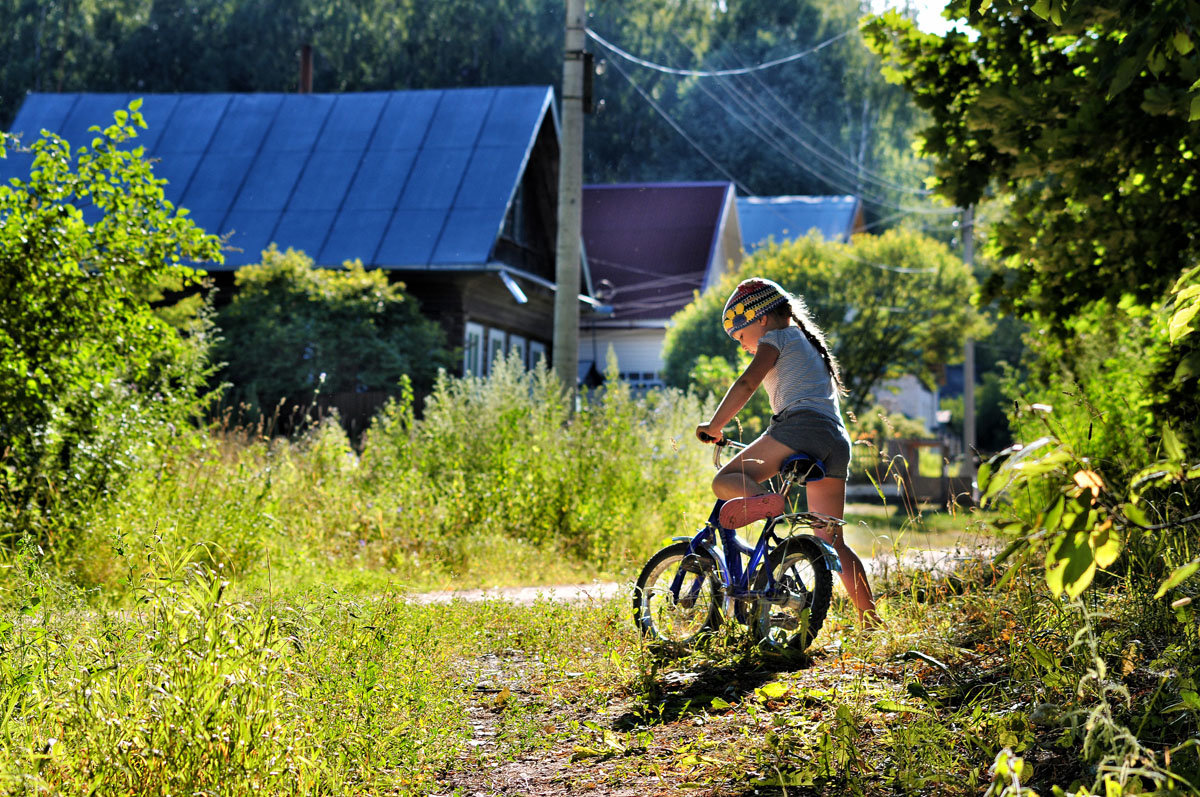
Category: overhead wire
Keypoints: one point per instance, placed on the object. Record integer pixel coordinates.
(835, 180)
(715, 73)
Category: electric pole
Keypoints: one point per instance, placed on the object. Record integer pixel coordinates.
(968, 233)
(570, 200)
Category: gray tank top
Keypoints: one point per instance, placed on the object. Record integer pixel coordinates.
(799, 380)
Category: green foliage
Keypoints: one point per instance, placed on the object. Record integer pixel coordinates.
(891, 304)
(833, 100)
(88, 370)
(1078, 112)
(493, 483)
(292, 330)
(503, 455)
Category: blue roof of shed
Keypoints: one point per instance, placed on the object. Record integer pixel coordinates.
(401, 179)
(786, 217)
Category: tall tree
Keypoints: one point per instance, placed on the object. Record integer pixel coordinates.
(1081, 116)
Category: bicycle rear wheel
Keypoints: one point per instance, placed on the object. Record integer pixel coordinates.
(791, 614)
(677, 617)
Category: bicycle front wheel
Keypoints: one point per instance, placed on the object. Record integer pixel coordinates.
(677, 596)
(795, 602)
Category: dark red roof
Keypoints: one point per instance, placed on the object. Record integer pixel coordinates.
(652, 241)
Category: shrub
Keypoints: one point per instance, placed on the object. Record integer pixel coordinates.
(89, 372)
(293, 329)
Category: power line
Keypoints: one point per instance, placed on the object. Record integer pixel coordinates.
(696, 146)
(716, 73)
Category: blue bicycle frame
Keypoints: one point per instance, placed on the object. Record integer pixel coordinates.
(735, 578)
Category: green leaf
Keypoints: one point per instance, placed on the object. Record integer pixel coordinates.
(1172, 445)
(718, 704)
(1194, 111)
(1054, 514)
(1042, 8)
(1178, 576)
(1106, 544)
(773, 690)
(1180, 325)
(1183, 42)
(1135, 514)
(1126, 72)
(898, 708)
(1070, 565)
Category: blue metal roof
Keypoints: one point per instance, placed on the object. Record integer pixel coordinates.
(786, 217)
(401, 179)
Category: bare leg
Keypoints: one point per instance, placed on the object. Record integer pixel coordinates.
(828, 496)
(742, 477)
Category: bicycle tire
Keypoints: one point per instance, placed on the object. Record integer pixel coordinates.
(656, 612)
(804, 584)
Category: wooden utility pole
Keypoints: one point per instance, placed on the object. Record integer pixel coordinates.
(570, 202)
(968, 234)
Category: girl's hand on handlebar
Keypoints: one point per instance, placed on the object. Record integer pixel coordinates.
(707, 434)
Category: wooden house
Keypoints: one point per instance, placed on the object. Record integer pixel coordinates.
(453, 192)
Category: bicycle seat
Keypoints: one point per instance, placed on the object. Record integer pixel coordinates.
(803, 468)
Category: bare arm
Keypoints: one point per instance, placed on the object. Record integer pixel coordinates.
(740, 392)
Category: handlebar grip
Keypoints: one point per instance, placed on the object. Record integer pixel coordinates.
(710, 439)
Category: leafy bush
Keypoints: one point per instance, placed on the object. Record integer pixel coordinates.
(89, 373)
(293, 329)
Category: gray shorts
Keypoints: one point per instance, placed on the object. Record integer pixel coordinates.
(817, 435)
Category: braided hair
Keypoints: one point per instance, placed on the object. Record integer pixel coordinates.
(797, 310)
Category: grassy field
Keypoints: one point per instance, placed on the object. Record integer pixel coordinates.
(240, 617)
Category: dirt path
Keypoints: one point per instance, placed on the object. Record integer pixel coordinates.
(934, 562)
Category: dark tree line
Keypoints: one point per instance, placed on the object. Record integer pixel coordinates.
(826, 123)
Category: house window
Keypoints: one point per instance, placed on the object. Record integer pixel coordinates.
(537, 351)
(473, 350)
(516, 344)
(495, 347)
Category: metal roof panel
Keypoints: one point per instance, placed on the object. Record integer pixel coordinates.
(405, 120)
(467, 237)
(410, 238)
(356, 234)
(326, 177)
(380, 179)
(513, 122)
(303, 230)
(216, 182)
(352, 121)
(270, 182)
(42, 112)
(299, 123)
(491, 177)
(435, 178)
(193, 123)
(246, 122)
(459, 118)
(251, 233)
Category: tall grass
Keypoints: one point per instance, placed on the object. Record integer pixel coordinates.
(496, 481)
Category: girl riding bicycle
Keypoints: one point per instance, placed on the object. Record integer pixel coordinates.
(793, 362)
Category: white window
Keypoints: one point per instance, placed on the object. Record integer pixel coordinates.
(517, 344)
(495, 347)
(473, 349)
(537, 351)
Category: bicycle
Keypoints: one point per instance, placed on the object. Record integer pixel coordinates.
(689, 588)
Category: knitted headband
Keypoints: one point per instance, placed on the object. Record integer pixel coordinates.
(750, 300)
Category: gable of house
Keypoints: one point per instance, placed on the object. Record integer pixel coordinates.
(654, 244)
(650, 247)
(782, 218)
